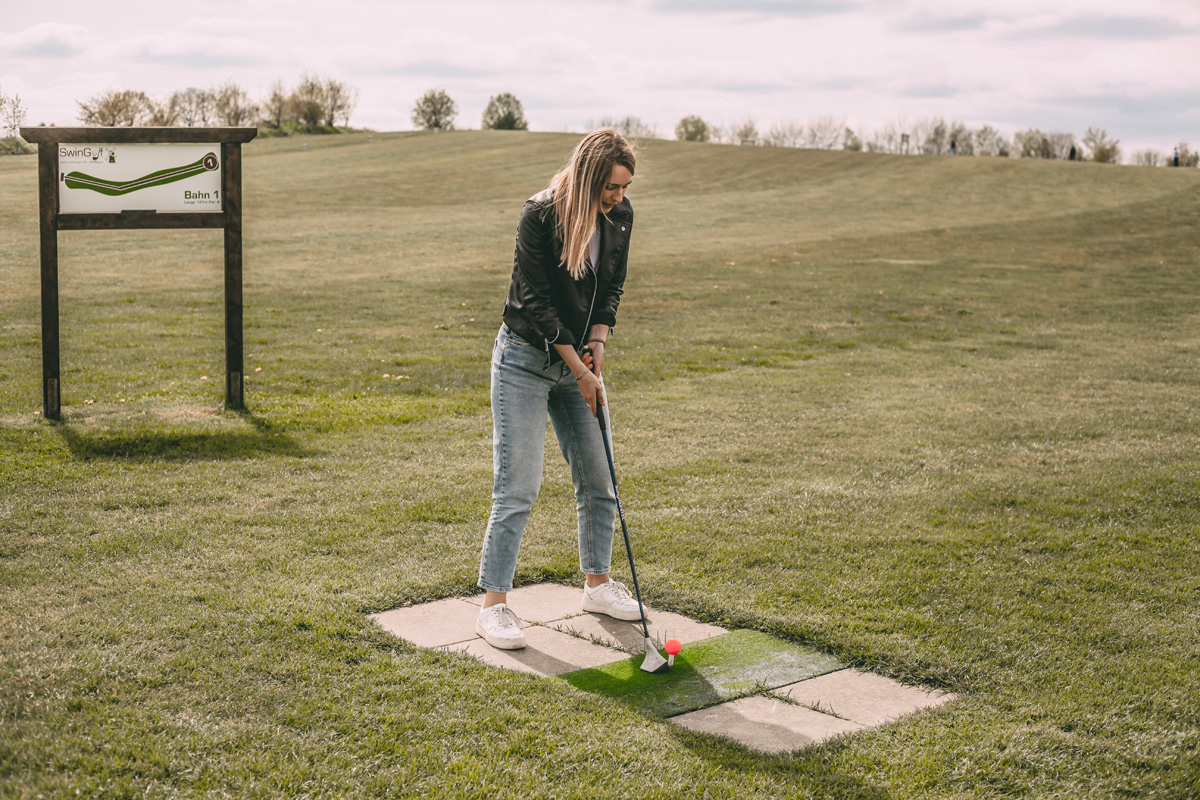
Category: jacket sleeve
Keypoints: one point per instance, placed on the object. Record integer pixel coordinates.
(606, 307)
(534, 254)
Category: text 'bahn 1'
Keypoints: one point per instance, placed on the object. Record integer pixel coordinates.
(99, 178)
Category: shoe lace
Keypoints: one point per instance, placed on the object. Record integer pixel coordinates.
(620, 590)
(505, 618)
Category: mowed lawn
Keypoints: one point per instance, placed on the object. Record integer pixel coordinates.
(936, 416)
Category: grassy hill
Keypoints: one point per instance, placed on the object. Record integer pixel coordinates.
(935, 415)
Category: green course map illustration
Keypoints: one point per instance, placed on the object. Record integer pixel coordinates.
(78, 180)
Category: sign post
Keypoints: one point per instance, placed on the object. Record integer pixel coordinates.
(121, 178)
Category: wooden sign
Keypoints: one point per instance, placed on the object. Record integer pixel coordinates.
(119, 178)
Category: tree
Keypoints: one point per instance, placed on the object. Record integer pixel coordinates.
(435, 110)
(163, 114)
(195, 107)
(232, 105)
(889, 138)
(963, 139)
(630, 127)
(784, 134)
(931, 136)
(275, 107)
(1187, 158)
(989, 142)
(114, 108)
(504, 112)
(306, 112)
(721, 133)
(824, 133)
(1148, 158)
(308, 101)
(747, 133)
(340, 101)
(693, 129)
(13, 114)
(850, 141)
(1031, 143)
(1103, 149)
(1060, 143)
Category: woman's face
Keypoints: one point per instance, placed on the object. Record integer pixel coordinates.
(614, 189)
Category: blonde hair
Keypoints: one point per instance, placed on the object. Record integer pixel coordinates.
(577, 189)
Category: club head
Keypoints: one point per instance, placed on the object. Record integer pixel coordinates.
(653, 662)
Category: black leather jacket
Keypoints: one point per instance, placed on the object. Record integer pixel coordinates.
(546, 306)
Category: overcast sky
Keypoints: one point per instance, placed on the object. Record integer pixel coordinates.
(1130, 67)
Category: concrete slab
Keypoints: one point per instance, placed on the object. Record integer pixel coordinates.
(547, 652)
(542, 602)
(766, 724)
(628, 635)
(715, 665)
(862, 697)
(433, 624)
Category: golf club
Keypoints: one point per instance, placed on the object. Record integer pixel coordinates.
(653, 662)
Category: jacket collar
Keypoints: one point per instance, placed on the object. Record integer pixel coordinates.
(622, 211)
(614, 236)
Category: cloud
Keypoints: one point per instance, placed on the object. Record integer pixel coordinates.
(198, 55)
(931, 90)
(210, 43)
(1165, 116)
(769, 8)
(745, 87)
(843, 84)
(1121, 28)
(1180, 104)
(51, 40)
(949, 23)
(436, 69)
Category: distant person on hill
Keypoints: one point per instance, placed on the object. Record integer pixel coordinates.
(953, 148)
(1177, 156)
(1071, 156)
(568, 276)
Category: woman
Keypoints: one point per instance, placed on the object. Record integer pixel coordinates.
(568, 273)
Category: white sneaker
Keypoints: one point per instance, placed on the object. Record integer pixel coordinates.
(499, 627)
(612, 598)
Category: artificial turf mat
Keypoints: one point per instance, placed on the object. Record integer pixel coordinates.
(706, 672)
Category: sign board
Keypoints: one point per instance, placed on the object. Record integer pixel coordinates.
(111, 178)
(95, 179)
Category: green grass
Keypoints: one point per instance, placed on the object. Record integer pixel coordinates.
(705, 673)
(935, 417)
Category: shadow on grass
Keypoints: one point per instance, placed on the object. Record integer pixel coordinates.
(167, 444)
(817, 766)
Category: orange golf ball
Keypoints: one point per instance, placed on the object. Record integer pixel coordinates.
(673, 646)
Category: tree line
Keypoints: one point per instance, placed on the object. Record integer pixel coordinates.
(933, 136)
(315, 102)
(436, 110)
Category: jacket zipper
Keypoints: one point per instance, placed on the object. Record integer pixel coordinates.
(592, 305)
(588, 324)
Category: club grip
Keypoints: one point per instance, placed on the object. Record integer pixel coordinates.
(600, 416)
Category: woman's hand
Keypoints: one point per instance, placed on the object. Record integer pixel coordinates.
(593, 357)
(581, 366)
(592, 391)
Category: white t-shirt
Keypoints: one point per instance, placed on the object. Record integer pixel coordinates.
(594, 247)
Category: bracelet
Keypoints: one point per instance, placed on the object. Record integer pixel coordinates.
(579, 377)
(601, 341)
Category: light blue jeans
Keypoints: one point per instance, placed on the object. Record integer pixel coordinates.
(522, 395)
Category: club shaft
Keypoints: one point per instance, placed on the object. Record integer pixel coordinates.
(612, 471)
